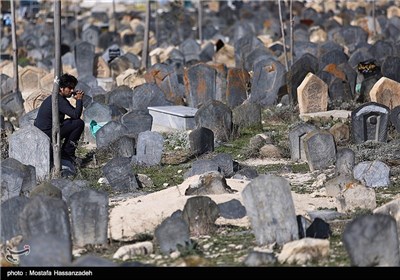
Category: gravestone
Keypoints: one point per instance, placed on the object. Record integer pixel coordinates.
(297, 72)
(149, 148)
(191, 50)
(301, 48)
(225, 163)
(360, 55)
(172, 233)
(369, 122)
(69, 187)
(232, 209)
(350, 36)
(345, 161)
(256, 55)
(320, 149)
(84, 58)
(89, 217)
(372, 240)
(110, 132)
(236, 92)
(31, 146)
(202, 166)
(68, 59)
(296, 136)
(12, 105)
(312, 95)
(339, 91)
(246, 115)
(200, 213)
(28, 119)
(35, 99)
(30, 78)
(201, 140)
(380, 50)
(200, 84)
(120, 176)
(121, 97)
(373, 174)
(386, 92)
(395, 118)
(45, 215)
(165, 77)
(112, 52)
(146, 95)
(91, 35)
(268, 78)
(216, 116)
(221, 82)
(47, 249)
(10, 211)
(269, 205)
(391, 68)
(123, 147)
(16, 178)
(137, 121)
(100, 113)
(244, 46)
(351, 76)
(335, 56)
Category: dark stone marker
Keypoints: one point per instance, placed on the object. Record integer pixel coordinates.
(119, 174)
(200, 84)
(200, 213)
(391, 68)
(372, 240)
(10, 211)
(84, 58)
(216, 116)
(320, 149)
(89, 217)
(172, 234)
(369, 122)
(201, 140)
(395, 118)
(237, 81)
(299, 70)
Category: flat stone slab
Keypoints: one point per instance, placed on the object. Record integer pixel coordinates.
(172, 117)
(335, 114)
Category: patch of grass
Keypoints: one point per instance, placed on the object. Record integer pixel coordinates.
(171, 175)
(300, 168)
(263, 169)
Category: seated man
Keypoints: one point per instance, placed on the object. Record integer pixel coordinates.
(71, 128)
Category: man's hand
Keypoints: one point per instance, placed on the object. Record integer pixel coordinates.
(79, 94)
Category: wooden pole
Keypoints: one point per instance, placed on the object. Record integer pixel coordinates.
(56, 89)
(200, 21)
(14, 46)
(283, 35)
(145, 51)
(291, 33)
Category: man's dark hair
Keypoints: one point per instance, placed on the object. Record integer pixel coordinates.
(67, 80)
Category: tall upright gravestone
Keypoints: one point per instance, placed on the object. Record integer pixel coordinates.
(386, 92)
(31, 146)
(369, 122)
(312, 95)
(84, 58)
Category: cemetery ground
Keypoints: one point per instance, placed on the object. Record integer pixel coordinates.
(232, 243)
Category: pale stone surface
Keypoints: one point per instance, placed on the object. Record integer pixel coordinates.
(386, 92)
(150, 210)
(304, 250)
(312, 95)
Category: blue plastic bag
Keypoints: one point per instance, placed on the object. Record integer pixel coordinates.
(94, 127)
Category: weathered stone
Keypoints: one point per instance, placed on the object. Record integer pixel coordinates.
(312, 95)
(296, 136)
(370, 122)
(320, 149)
(386, 92)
